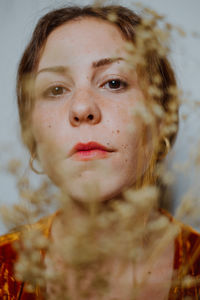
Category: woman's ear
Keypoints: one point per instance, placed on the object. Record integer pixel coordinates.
(164, 145)
(33, 157)
(164, 148)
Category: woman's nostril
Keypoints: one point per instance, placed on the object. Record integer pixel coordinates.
(76, 119)
(90, 117)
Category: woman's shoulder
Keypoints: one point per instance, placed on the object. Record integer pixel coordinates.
(186, 264)
(191, 236)
(186, 233)
(7, 246)
(188, 244)
(8, 241)
(10, 286)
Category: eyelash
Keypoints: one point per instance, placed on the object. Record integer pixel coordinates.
(50, 90)
(121, 82)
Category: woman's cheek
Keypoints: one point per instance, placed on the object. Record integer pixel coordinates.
(44, 125)
(39, 123)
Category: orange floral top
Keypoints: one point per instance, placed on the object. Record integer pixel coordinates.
(186, 262)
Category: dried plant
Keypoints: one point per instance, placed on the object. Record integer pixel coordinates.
(88, 255)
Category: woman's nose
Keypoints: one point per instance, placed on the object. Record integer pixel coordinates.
(84, 109)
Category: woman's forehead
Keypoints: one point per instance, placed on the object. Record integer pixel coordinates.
(81, 39)
(88, 25)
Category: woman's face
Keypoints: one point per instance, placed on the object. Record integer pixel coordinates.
(83, 120)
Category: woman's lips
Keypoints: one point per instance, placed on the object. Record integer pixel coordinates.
(90, 151)
(90, 154)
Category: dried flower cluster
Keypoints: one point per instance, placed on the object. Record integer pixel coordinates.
(91, 249)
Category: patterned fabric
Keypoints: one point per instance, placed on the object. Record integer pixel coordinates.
(10, 287)
(186, 262)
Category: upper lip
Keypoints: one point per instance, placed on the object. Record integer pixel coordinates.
(90, 146)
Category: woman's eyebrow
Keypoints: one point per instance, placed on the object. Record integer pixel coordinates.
(64, 69)
(105, 61)
(54, 69)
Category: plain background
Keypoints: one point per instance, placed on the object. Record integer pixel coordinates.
(17, 20)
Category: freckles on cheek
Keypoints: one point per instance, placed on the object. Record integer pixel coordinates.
(115, 131)
(41, 126)
(127, 158)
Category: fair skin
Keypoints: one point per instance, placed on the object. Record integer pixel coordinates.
(87, 101)
(60, 122)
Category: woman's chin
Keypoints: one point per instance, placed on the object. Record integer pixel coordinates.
(93, 191)
(92, 182)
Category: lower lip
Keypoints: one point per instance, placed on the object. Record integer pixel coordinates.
(90, 154)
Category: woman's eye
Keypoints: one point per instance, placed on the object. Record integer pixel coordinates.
(55, 91)
(116, 84)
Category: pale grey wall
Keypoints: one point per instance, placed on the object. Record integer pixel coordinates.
(17, 19)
